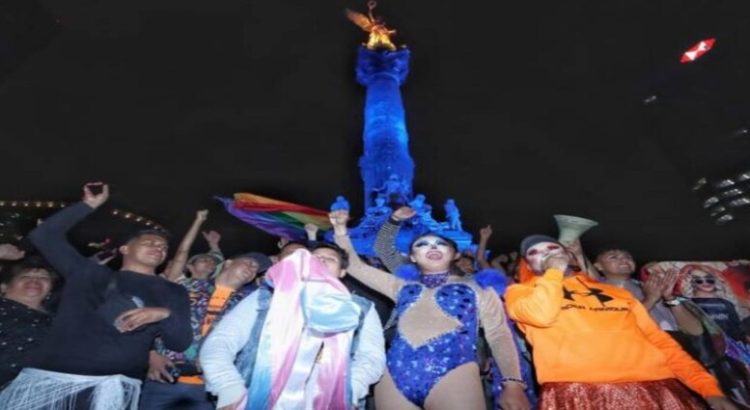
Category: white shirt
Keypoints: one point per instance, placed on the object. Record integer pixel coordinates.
(231, 334)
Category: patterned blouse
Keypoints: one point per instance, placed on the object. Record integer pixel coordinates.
(200, 291)
(21, 330)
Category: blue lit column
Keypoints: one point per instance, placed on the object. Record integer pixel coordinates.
(386, 141)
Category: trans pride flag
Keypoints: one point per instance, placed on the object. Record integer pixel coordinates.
(279, 218)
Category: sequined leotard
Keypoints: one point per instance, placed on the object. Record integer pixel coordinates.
(438, 324)
(417, 370)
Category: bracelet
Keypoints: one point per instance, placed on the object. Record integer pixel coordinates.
(513, 380)
(674, 302)
(394, 221)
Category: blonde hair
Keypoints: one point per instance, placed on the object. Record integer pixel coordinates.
(722, 288)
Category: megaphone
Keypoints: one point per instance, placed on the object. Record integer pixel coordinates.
(571, 227)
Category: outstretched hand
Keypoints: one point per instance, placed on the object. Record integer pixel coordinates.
(212, 237)
(312, 231)
(95, 200)
(201, 215)
(338, 221)
(485, 232)
(9, 252)
(403, 213)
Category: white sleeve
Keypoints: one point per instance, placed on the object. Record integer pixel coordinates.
(221, 347)
(368, 362)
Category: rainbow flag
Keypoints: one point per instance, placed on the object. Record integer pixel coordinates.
(279, 218)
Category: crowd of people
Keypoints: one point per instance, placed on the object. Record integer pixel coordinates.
(317, 326)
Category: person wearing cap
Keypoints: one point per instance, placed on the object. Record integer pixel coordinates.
(175, 379)
(201, 266)
(264, 263)
(205, 265)
(595, 345)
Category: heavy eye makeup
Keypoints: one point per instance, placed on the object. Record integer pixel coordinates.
(536, 251)
(423, 243)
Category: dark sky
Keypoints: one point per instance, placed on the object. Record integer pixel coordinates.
(517, 110)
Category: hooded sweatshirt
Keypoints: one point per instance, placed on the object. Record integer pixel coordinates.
(589, 332)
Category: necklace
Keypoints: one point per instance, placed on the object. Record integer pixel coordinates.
(434, 280)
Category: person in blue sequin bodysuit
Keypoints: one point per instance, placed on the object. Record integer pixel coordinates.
(432, 361)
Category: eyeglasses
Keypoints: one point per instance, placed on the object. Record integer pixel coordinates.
(700, 281)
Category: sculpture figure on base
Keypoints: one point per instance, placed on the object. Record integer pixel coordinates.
(418, 203)
(386, 166)
(341, 204)
(376, 214)
(378, 210)
(453, 215)
(380, 35)
(394, 190)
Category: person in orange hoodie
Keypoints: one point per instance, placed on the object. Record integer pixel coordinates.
(595, 346)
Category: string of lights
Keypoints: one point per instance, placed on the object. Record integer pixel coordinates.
(119, 213)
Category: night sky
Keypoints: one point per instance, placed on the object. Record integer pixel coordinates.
(517, 110)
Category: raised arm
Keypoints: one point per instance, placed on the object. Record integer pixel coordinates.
(311, 230)
(174, 272)
(50, 237)
(500, 262)
(484, 237)
(212, 239)
(385, 242)
(380, 281)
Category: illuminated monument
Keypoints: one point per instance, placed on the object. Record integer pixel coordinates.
(386, 166)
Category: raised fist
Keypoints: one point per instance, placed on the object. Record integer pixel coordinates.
(95, 200)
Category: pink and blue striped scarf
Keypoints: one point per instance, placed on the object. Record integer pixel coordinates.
(309, 327)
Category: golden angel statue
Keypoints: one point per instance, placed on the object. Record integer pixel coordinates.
(380, 35)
